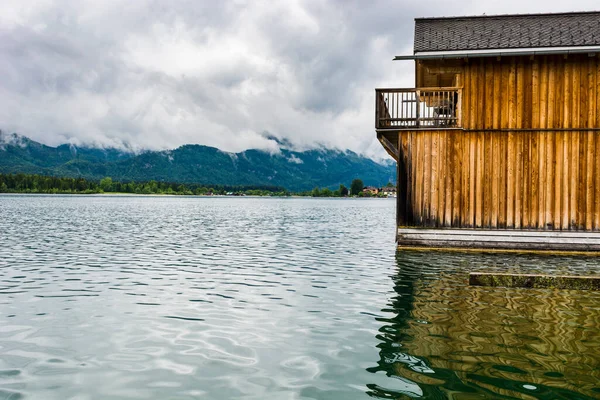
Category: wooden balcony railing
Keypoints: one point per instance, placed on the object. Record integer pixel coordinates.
(417, 108)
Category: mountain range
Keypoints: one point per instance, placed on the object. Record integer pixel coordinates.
(294, 170)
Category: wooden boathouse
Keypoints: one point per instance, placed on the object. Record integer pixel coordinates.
(498, 143)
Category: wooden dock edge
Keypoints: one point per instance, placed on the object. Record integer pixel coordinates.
(506, 240)
(534, 281)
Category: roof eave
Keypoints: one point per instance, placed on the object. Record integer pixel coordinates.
(424, 55)
(509, 15)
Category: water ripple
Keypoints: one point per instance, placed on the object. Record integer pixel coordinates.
(170, 297)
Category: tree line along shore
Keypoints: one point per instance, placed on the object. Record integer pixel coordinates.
(33, 183)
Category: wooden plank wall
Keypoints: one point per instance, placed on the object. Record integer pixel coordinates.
(520, 162)
(547, 180)
(531, 93)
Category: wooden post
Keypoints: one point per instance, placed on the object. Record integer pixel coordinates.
(418, 108)
(401, 185)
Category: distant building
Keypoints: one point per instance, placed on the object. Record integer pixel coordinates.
(388, 191)
(371, 190)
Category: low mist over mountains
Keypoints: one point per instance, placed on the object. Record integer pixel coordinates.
(293, 170)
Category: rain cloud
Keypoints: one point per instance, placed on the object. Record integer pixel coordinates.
(233, 74)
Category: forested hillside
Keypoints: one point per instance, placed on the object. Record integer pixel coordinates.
(296, 171)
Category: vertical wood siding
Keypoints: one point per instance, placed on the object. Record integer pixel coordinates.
(524, 93)
(514, 178)
(535, 180)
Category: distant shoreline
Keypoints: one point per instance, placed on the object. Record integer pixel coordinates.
(39, 184)
(124, 194)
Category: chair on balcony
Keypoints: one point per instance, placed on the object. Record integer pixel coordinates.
(444, 111)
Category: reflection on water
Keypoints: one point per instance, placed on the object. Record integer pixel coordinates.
(441, 338)
(114, 297)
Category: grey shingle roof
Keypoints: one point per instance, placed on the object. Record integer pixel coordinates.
(507, 31)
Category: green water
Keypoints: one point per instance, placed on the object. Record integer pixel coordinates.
(442, 338)
(125, 297)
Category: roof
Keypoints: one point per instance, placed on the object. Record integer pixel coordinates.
(480, 34)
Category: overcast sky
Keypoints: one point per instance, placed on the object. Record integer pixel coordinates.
(158, 74)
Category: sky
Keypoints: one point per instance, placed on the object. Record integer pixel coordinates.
(229, 74)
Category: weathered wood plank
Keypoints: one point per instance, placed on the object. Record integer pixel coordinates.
(527, 194)
(402, 183)
(448, 175)
(589, 180)
(534, 281)
(408, 148)
(576, 185)
(511, 147)
(466, 245)
(472, 178)
(590, 120)
(495, 146)
(465, 165)
(488, 156)
(519, 158)
(475, 103)
(420, 165)
(456, 168)
(516, 233)
(433, 179)
(479, 184)
(596, 122)
(565, 180)
(493, 240)
(503, 178)
(544, 213)
(596, 197)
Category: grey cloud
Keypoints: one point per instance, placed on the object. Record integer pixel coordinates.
(157, 74)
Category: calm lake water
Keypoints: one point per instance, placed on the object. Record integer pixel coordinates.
(112, 297)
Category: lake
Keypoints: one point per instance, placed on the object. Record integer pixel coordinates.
(134, 297)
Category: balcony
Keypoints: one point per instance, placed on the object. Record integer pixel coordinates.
(417, 108)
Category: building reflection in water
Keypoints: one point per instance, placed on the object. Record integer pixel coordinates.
(442, 338)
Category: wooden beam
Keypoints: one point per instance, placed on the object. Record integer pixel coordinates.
(498, 239)
(402, 187)
(535, 281)
(389, 146)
